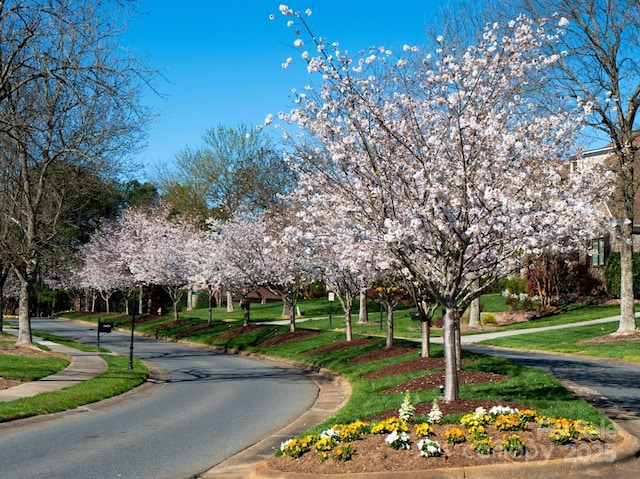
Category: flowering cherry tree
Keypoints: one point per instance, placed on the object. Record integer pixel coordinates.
(347, 258)
(239, 242)
(264, 250)
(159, 251)
(207, 268)
(441, 157)
(104, 268)
(286, 267)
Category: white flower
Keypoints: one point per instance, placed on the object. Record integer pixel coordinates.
(398, 441)
(498, 410)
(272, 17)
(285, 443)
(330, 433)
(429, 448)
(268, 119)
(563, 22)
(435, 415)
(285, 10)
(308, 12)
(298, 42)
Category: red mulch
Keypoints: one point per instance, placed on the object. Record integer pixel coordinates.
(382, 353)
(437, 379)
(338, 346)
(408, 366)
(288, 338)
(233, 332)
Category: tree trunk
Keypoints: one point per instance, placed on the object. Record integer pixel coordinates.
(458, 346)
(245, 305)
(3, 281)
(389, 343)
(363, 315)
(24, 317)
(474, 313)
(451, 387)
(348, 304)
(292, 316)
(229, 302)
(425, 338)
(210, 309)
(175, 309)
(627, 313)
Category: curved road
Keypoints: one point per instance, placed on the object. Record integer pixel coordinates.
(213, 406)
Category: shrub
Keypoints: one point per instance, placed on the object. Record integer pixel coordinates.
(517, 285)
(488, 318)
(612, 275)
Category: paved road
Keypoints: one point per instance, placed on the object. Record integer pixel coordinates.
(213, 406)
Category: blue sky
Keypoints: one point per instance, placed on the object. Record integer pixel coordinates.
(222, 59)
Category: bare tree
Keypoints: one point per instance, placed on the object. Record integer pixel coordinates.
(70, 95)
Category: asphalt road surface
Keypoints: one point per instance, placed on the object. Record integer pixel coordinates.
(213, 406)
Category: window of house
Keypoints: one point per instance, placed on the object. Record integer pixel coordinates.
(597, 252)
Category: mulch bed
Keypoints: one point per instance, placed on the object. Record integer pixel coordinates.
(408, 366)
(340, 345)
(233, 332)
(437, 379)
(382, 353)
(288, 338)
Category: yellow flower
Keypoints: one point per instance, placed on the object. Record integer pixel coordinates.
(423, 429)
(454, 436)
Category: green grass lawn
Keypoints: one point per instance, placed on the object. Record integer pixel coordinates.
(25, 368)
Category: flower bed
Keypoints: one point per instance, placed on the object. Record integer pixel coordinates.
(494, 436)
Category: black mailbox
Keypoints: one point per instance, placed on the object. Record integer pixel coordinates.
(415, 316)
(105, 327)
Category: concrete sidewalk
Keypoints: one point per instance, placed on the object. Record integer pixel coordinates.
(83, 366)
(476, 338)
